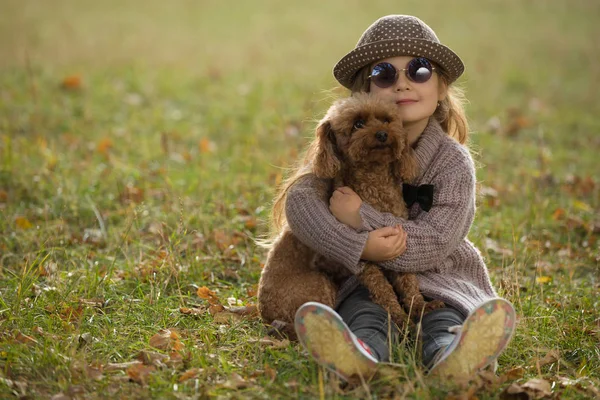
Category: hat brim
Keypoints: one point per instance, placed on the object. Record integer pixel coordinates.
(346, 69)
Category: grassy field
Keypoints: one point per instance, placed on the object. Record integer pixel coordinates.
(140, 145)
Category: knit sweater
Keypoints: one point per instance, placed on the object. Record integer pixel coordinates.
(447, 264)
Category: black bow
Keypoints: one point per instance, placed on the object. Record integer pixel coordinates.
(422, 194)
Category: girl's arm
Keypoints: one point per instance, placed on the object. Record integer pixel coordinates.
(433, 235)
(309, 217)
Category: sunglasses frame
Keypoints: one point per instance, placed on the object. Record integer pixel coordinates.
(399, 70)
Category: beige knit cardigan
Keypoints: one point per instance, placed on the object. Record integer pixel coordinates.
(448, 266)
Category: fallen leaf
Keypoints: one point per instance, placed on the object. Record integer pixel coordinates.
(131, 194)
(249, 310)
(193, 311)
(175, 360)
(139, 373)
(252, 291)
(121, 366)
(551, 357)
(21, 338)
(207, 294)
(532, 389)
(94, 373)
(226, 317)
(3, 196)
(580, 205)
(235, 382)
(23, 223)
(514, 374)
(152, 358)
(71, 82)
(190, 374)
(215, 309)
(558, 214)
(270, 372)
(71, 314)
(104, 145)
(543, 279)
(206, 146)
(166, 339)
(274, 343)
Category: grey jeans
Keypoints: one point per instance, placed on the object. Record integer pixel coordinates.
(369, 322)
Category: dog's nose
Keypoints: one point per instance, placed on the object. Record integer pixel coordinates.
(381, 136)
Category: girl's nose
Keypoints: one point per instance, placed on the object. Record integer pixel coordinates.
(402, 83)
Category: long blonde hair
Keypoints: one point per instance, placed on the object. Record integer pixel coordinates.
(450, 114)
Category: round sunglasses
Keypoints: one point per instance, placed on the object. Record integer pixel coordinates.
(418, 70)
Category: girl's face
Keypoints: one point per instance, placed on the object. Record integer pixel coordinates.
(416, 102)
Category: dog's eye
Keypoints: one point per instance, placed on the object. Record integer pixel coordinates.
(387, 120)
(358, 124)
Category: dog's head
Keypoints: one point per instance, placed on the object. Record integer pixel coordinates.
(362, 130)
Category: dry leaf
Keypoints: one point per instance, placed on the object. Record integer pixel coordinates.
(193, 311)
(166, 339)
(235, 382)
(207, 294)
(104, 146)
(3, 196)
(152, 358)
(72, 82)
(558, 214)
(270, 372)
(206, 146)
(70, 314)
(226, 317)
(140, 373)
(131, 194)
(175, 359)
(215, 309)
(249, 310)
(21, 338)
(543, 279)
(274, 343)
(23, 223)
(551, 357)
(532, 389)
(94, 373)
(190, 374)
(121, 366)
(252, 291)
(514, 373)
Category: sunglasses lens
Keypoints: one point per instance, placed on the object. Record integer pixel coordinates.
(419, 70)
(383, 75)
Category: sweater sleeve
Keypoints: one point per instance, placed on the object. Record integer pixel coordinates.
(308, 216)
(432, 236)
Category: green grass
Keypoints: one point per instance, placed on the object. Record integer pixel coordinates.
(120, 197)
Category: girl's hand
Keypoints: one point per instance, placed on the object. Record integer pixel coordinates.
(344, 205)
(385, 244)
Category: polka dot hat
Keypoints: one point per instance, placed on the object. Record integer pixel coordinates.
(397, 35)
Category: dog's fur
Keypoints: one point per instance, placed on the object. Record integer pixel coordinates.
(372, 159)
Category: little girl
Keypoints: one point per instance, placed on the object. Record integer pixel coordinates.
(400, 59)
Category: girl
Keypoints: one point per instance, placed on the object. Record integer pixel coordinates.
(400, 59)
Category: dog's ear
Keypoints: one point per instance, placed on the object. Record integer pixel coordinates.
(327, 164)
(406, 168)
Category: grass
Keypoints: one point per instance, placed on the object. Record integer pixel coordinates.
(140, 145)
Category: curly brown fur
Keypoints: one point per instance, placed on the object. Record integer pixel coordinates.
(373, 168)
(363, 145)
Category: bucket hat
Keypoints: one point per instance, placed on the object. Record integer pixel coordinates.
(397, 35)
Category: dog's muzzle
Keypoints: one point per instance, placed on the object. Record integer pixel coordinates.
(381, 136)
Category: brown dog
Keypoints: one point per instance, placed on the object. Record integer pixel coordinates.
(361, 144)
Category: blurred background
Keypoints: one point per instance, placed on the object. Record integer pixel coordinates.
(141, 143)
